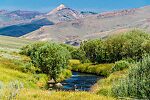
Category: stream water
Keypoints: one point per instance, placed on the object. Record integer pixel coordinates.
(80, 81)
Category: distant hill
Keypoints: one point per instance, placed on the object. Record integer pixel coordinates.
(64, 24)
(18, 23)
(85, 13)
(22, 29)
(94, 26)
(8, 18)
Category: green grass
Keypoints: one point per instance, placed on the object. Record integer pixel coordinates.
(31, 90)
(98, 69)
(12, 70)
(104, 86)
(12, 43)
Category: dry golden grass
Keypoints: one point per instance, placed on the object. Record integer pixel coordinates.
(27, 94)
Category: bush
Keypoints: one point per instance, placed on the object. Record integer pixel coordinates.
(64, 75)
(100, 69)
(74, 62)
(75, 52)
(137, 83)
(10, 91)
(50, 58)
(93, 50)
(79, 54)
(1, 89)
(133, 44)
(104, 86)
(30, 50)
(120, 65)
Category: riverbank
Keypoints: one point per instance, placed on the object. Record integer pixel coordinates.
(104, 86)
(96, 69)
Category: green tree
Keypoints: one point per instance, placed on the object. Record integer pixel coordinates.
(146, 46)
(79, 54)
(93, 50)
(50, 58)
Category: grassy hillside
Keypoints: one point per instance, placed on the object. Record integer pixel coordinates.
(12, 43)
(15, 67)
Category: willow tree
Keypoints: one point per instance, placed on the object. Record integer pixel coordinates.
(50, 58)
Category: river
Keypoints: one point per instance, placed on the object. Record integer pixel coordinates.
(80, 81)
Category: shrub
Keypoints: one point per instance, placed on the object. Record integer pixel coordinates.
(50, 58)
(146, 46)
(10, 91)
(104, 86)
(120, 65)
(100, 69)
(104, 69)
(41, 80)
(137, 83)
(133, 44)
(75, 52)
(79, 54)
(64, 75)
(1, 89)
(74, 62)
(93, 50)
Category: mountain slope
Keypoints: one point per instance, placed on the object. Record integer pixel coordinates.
(8, 18)
(95, 26)
(18, 23)
(22, 29)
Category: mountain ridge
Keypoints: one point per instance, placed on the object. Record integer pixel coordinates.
(71, 25)
(94, 26)
(60, 7)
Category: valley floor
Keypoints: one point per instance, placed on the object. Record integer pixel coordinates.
(11, 73)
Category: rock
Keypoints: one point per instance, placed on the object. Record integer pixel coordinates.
(58, 85)
(51, 85)
(51, 81)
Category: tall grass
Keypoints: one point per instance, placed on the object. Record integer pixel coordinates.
(99, 69)
(104, 86)
(11, 70)
(15, 91)
(137, 83)
(31, 94)
(10, 91)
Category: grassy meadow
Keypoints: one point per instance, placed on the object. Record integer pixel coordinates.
(16, 69)
(123, 60)
(12, 43)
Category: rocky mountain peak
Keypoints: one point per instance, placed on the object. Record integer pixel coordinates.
(60, 7)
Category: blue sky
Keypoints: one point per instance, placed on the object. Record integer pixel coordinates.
(82, 5)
